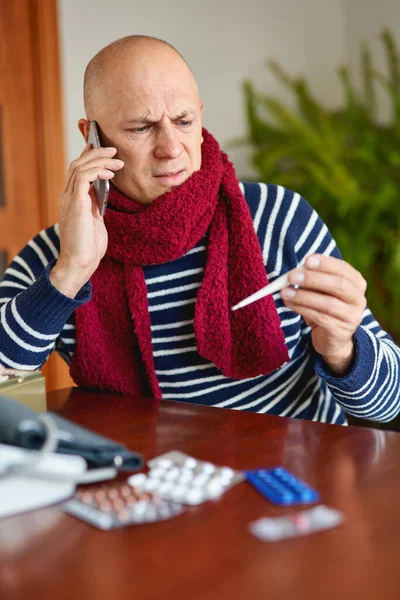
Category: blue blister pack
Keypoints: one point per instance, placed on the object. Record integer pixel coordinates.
(281, 487)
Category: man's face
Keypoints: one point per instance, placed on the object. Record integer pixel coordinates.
(152, 115)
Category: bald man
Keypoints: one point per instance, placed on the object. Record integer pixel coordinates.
(139, 301)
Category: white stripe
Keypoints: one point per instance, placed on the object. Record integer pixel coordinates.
(191, 382)
(261, 206)
(292, 337)
(371, 325)
(196, 249)
(173, 338)
(330, 248)
(3, 300)
(171, 276)
(315, 383)
(12, 284)
(68, 340)
(288, 322)
(241, 187)
(317, 243)
(280, 193)
(270, 379)
(175, 290)
(172, 325)
(282, 309)
(18, 274)
(69, 326)
(39, 252)
(47, 240)
(306, 232)
(336, 414)
(27, 268)
(228, 384)
(10, 363)
(284, 390)
(25, 326)
(302, 407)
(285, 386)
(377, 409)
(183, 370)
(57, 229)
(328, 401)
(171, 305)
(319, 404)
(175, 351)
(288, 219)
(17, 339)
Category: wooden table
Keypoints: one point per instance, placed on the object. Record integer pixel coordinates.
(207, 553)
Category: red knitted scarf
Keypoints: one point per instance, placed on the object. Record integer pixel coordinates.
(113, 336)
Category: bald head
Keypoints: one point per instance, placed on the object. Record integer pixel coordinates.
(145, 100)
(130, 52)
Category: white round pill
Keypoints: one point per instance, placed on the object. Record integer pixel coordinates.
(200, 480)
(172, 474)
(165, 487)
(213, 490)
(140, 507)
(227, 473)
(151, 513)
(137, 480)
(150, 485)
(190, 463)
(156, 473)
(179, 492)
(208, 468)
(194, 496)
(164, 463)
(185, 476)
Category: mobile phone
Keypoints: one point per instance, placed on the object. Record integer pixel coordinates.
(102, 188)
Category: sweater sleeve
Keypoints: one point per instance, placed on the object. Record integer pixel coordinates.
(33, 312)
(289, 231)
(371, 390)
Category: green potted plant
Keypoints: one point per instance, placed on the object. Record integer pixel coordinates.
(345, 163)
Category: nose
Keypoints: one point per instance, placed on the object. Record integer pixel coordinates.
(168, 144)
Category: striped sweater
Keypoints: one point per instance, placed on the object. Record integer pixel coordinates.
(35, 319)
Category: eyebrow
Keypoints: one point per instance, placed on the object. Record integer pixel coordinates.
(145, 118)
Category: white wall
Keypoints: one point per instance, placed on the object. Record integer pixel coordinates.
(365, 20)
(224, 41)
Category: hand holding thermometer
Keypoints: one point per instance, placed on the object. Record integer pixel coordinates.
(269, 289)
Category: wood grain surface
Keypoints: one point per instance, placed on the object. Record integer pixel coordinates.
(208, 553)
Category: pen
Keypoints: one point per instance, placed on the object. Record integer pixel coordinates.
(269, 289)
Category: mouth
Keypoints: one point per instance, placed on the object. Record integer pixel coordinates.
(169, 178)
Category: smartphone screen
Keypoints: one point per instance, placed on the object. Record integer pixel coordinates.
(101, 187)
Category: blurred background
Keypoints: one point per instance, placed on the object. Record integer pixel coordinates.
(322, 118)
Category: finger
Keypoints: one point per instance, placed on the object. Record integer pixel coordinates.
(112, 164)
(322, 303)
(327, 283)
(327, 322)
(335, 266)
(88, 154)
(95, 205)
(84, 177)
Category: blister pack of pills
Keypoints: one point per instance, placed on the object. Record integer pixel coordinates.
(297, 524)
(281, 486)
(113, 505)
(177, 477)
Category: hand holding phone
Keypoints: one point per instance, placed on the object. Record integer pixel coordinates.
(102, 187)
(83, 235)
